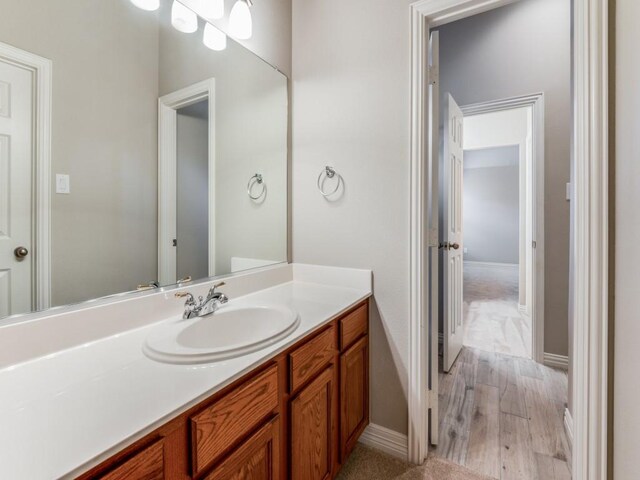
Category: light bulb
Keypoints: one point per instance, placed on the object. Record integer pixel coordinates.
(149, 5)
(213, 9)
(214, 38)
(240, 25)
(183, 19)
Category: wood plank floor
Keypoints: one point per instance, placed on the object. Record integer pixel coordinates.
(502, 416)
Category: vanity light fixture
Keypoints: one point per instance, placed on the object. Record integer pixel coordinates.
(149, 5)
(183, 19)
(240, 24)
(213, 9)
(214, 38)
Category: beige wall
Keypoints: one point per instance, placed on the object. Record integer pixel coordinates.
(626, 426)
(351, 110)
(504, 53)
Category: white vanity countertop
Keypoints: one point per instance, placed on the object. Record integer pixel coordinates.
(64, 413)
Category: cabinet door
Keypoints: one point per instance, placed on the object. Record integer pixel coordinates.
(354, 395)
(313, 423)
(258, 458)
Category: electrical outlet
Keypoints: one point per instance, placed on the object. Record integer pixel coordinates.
(62, 183)
(464, 250)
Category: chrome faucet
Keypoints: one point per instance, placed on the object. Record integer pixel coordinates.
(203, 306)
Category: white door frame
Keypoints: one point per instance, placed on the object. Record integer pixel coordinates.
(168, 106)
(535, 184)
(590, 136)
(41, 69)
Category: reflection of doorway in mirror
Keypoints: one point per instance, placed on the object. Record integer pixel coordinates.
(24, 181)
(192, 191)
(188, 107)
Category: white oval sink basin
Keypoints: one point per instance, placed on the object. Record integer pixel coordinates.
(227, 333)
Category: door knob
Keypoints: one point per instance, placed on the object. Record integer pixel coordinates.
(21, 252)
(449, 246)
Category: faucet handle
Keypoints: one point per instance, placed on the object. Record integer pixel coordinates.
(189, 296)
(212, 290)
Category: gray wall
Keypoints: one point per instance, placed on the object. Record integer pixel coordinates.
(626, 394)
(192, 196)
(491, 205)
(505, 53)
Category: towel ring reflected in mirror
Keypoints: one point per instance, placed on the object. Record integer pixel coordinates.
(328, 172)
(256, 179)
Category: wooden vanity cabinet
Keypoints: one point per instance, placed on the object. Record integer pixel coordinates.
(257, 459)
(313, 425)
(297, 416)
(354, 395)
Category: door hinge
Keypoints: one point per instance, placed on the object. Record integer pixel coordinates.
(433, 74)
(432, 399)
(533, 244)
(433, 237)
(174, 243)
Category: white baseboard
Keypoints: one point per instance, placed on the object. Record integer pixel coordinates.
(556, 361)
(471, 263)
(385, 440)
(568, 427)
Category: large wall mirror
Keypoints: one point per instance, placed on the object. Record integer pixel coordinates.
(131, 153)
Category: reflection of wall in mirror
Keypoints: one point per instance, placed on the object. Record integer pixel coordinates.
(251, 132)
(104, 135)
(106, 84)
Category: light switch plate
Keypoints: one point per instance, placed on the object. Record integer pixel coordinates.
(62, 183)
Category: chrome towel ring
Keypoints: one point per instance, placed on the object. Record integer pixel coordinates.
(329, 172)
(256, 179)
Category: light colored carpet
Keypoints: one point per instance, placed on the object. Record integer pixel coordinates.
(368, 464)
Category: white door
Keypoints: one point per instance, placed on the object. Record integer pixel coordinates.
(16, 163)
(453, 328)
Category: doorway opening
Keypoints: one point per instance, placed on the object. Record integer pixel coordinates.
(503, 219)
(500, 411)
(186, 132)
(192, 191)
(589, 314)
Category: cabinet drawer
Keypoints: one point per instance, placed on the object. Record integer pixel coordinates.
(218, 427)
(312, 357)
(353, 326)
(146, 465)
